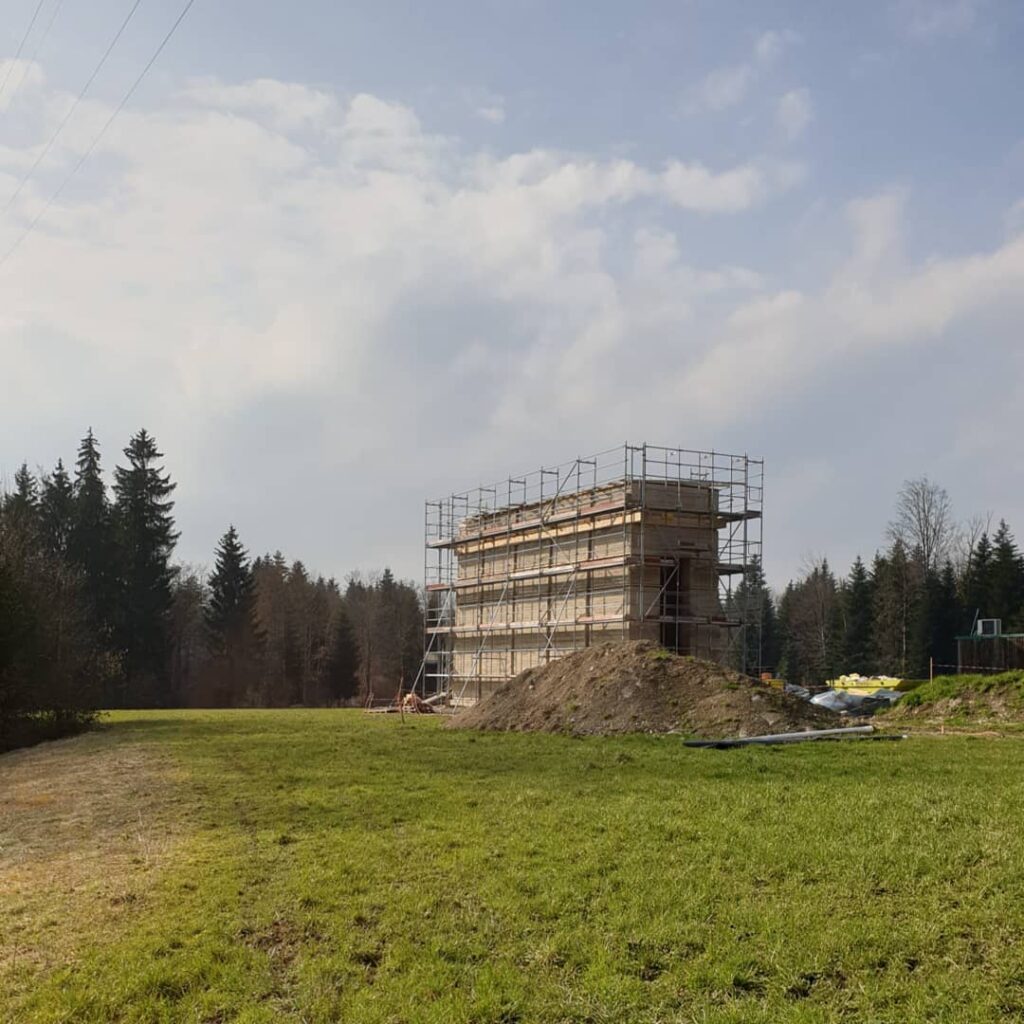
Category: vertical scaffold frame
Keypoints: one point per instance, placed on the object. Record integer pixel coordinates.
(554, 503)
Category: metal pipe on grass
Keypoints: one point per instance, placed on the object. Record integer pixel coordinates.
(794, 737)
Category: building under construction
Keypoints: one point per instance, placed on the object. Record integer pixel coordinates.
(638, 542)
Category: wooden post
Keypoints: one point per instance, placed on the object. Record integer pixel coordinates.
(931, 669)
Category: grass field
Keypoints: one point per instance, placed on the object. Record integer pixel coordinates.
(332, 866)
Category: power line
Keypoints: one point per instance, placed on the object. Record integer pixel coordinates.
(35, 53)
(67, 114)
(95, 142)
(21, 45)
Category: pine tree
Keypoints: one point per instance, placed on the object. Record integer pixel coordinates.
(895, 594)
(343, 660)
(790, 665)
(23, 503)
(92, 545)
(56, 511)
(751, 602)
(858, 615)
(810, 619)
(978, 583)
(947, 621)
(146, 535)
(231, 591)
(272, 617)
(1006, 584)
(230, 619)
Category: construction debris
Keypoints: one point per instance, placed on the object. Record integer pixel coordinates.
(639, 687)
(416, 705)
(851, 702)
(853, 732)
(410, 703)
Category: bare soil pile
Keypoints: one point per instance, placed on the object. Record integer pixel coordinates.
(639, 687)
(995, 701)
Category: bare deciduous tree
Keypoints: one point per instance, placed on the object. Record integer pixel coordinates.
(924, 521)
(965, 539)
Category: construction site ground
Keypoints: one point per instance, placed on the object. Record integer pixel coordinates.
(611, 689)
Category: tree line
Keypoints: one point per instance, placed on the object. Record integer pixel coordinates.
(94, 612)
(898, 615)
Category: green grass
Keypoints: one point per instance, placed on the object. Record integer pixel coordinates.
(1008, 684)
(334, 866)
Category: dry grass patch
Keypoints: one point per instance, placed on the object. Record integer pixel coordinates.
(84, 824)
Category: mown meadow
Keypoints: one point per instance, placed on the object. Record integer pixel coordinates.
(318, 865)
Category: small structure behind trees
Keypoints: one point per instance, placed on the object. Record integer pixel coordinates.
(902, 617)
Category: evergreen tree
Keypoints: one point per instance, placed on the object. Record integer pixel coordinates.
(978, 585)
(947, 620)
(1006, 582)
(343, 660)
(189, 638)
(56, 511)
(858, 616)
(790, 665)
(91, 541)
(810, 616)
(231, 599)
(146, 535)
(271, 613)
(23, 504)
(895, 594)
(751, 602)
(230, 619)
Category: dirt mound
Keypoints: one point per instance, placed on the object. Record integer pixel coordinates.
(968, 700)
(639, 687)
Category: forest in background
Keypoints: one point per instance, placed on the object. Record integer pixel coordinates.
(900, 613)
(95, 613)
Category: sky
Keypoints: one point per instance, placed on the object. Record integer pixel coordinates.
(342, 258)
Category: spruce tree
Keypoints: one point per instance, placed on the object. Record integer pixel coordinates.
(146, 536)
(231, 591)
(978, 583)
(751, 602)
(947, 621)
(343, 659)
(895, 595)
(91, 542)
(23, 503)
(56, 511)
(230, 619)
(858, 613)
(790, 667)
(1006, 583)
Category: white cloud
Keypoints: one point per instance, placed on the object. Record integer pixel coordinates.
(933, 19)
(286, 105)
(727, 87)
(1015, 218)
(874, 301)
(19, 75)
(772, 44)
(722, 88)
(794, 112)
(287, 285)
(495, 114)
(253, 242)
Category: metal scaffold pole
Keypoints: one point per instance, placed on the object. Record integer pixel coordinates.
(639, 541)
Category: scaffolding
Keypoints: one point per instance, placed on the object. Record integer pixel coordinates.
(636, 542)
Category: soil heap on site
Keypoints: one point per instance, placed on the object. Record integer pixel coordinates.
(615, 688)
(968, 701)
